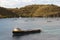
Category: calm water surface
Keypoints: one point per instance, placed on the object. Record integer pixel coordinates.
(50, 28)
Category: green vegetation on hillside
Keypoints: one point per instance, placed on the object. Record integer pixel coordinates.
(4, 13)
(38, 11)
(31, 11)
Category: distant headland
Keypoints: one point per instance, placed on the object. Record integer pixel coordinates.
(48, 10)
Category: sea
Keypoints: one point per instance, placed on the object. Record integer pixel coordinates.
(50, 28)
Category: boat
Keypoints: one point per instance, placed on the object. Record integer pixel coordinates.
(19, 32)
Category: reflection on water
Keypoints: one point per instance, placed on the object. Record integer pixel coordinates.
(50, 30)
(16, 37)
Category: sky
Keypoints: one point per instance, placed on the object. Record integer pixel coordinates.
(20, 3)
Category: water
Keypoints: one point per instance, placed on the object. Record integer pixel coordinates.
(50, 28)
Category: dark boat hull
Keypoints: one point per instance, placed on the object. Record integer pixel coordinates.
(19, 33)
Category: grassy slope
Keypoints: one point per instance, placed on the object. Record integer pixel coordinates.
(31, 11)
(39, 11)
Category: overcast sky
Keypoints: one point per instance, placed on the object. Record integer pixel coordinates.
(20, 3)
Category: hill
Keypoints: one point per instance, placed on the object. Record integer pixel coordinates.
(5, 13)
(38, 11)
(31, 11)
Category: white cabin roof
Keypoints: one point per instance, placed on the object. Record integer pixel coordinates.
(17, 29)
